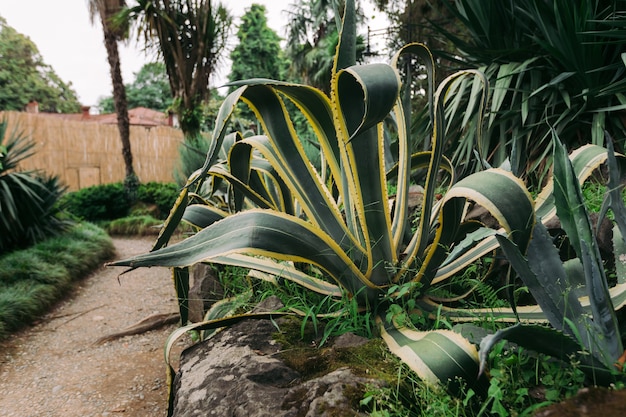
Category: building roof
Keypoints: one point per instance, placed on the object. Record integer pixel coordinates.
(139, 116)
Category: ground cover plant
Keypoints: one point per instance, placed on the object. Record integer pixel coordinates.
(336, 232)
(34, 278)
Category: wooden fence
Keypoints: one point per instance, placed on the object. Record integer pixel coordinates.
(83, 154)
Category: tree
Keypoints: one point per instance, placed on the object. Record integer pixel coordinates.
(312, 36)
(190, 36)
(150, 89)
(113, 31)
(258, 53)
(24, 76)
(412, 21)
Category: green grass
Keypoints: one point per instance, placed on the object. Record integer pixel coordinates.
(34, 279)
(521, 381)
(137, 225)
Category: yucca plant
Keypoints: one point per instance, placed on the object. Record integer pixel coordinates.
(552, 65)
(28, 209)
(573, 295)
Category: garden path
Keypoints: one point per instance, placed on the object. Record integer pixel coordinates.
(54, 368)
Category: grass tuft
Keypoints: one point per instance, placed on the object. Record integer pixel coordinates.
(33, 279)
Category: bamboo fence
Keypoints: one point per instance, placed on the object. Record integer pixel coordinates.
(84, 153)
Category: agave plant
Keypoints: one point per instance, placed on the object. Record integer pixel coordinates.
(340, 219)
(573, 295)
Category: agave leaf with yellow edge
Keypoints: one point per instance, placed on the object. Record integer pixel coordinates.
(341, 221)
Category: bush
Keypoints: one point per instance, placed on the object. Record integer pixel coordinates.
(108, 201)
(98, 203)
(28, 199)
(163, 195)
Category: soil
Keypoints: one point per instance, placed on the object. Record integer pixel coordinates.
(54, 368)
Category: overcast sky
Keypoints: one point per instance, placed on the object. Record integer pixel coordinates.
(74, 47)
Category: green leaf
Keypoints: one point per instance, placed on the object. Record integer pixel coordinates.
(545, 277)
(439, 356)
(264, 233)
(180, 276)
(538, 338)
(201, 216)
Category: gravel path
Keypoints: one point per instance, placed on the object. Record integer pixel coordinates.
(55, 369)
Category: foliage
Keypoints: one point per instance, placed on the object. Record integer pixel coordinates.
(163, 195)
(410, 21)
(149, 89)
(258, 53)
(133, 225)
(190, 36)
(553, 65)
(312, 38)
(33, 279)
(99, 202)
(28, 199)
(109, 202)
(24, 76)
(339, 221)
(592, 327)
(192, 154)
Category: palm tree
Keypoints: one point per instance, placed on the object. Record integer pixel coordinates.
(312, 36)
(190, 35)
(113, 32)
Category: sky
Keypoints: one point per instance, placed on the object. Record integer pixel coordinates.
(73, 47)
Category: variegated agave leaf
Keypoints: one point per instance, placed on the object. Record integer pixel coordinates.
(339, 220)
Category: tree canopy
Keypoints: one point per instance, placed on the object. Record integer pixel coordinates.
(312, 37)
(150, 89)
(190, 37)
(24, 76)
(258, 53)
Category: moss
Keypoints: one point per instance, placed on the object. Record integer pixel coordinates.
(301, 352)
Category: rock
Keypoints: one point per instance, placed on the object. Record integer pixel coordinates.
(347, 340)
(206, 290)
(589, 402)
(238, 372)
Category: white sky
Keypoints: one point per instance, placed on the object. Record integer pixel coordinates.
(74, 48)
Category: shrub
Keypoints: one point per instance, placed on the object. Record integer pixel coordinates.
(97, 203)
(108, 201)
(137, 225)
(163, 195)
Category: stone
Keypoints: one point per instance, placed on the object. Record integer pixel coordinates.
(205, 290)
(239, 372)
(589, 402)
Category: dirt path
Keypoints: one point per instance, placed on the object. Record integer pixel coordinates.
(54, 369)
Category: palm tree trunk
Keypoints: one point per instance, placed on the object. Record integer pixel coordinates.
(121, 108)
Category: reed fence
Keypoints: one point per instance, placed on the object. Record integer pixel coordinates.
(84, 153)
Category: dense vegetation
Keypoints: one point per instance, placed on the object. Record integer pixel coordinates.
(28, 209)
(109, 201)
(149, 89)
(344, 244)
(409, 275)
